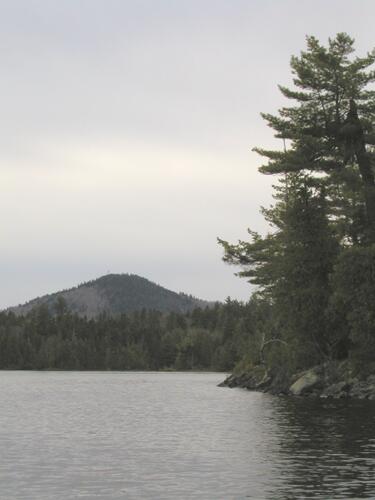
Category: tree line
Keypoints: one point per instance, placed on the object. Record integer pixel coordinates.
(204, 339)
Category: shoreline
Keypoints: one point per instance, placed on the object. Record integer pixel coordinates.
(331, 380)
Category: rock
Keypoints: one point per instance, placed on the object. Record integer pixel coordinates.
(308, 381)
(360, 390)
(265, 383)
(353, 381)
(329, 380)
(338, 391)
(228, 382)
(341, 395)
(254, 379)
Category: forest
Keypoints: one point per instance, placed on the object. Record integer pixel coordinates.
(205, 339)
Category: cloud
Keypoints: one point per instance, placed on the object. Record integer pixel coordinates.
(126, 133)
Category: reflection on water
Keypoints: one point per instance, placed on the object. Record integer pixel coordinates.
(326, 448)
(176, 436)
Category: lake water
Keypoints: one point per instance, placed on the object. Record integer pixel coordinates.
(103, 435)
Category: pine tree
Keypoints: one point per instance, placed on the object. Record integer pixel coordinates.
(291, 266)
(329, 130)
(325, 201)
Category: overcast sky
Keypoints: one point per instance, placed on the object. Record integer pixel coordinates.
(126, 130)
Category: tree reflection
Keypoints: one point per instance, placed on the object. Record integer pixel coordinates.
(326, 448)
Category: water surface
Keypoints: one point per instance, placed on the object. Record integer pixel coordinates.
(133, 435)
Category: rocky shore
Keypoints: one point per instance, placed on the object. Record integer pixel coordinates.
(329, 380)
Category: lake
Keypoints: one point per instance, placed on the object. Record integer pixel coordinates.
(136, 435)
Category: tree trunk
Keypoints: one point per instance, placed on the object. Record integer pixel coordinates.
(355, 141)
(365, 169)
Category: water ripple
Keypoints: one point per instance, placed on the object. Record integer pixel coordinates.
(70, 435)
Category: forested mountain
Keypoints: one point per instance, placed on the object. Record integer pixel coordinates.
(115, 294)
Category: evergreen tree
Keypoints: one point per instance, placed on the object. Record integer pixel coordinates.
(329, 130)
(46, 339)
(292, 265)
(325, 200)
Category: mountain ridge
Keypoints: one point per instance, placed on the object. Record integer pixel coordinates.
(115, 294)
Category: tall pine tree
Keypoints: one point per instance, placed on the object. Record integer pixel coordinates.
(330, 130)
(325, 201)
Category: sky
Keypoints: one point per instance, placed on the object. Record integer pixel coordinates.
(127, 128)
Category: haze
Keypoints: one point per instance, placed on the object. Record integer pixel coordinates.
(127, 128)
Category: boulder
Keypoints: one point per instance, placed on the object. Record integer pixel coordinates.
(255, 379)
(305, 383)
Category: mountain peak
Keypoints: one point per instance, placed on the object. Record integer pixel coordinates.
(115, 294)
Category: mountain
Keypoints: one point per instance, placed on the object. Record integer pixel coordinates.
(115, 294)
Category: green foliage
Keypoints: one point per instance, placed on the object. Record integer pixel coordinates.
(292, 266)
(328, 128)
(315, 268)
(354, 298)
(204, 339)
